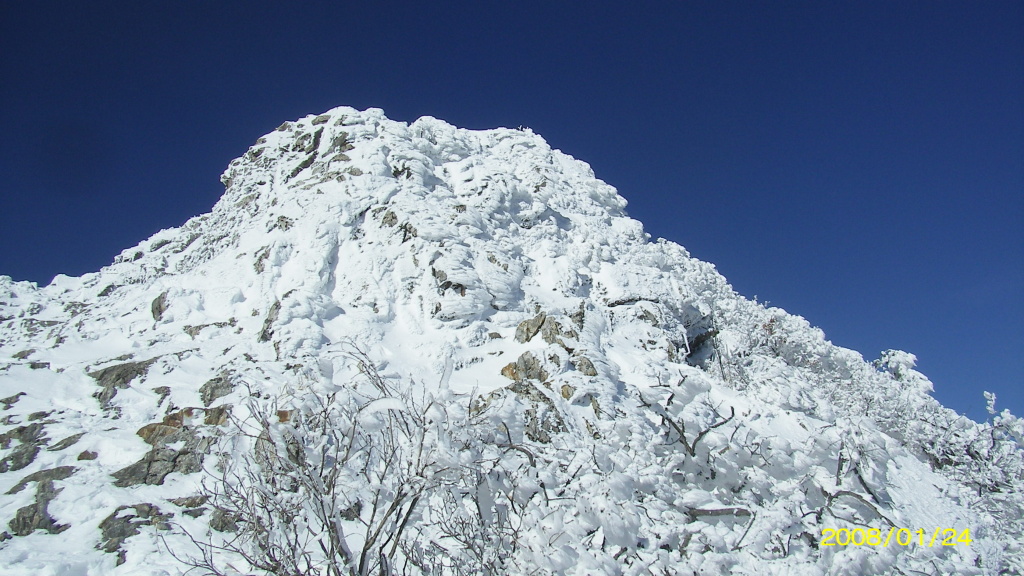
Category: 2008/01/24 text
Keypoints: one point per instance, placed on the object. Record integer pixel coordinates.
(899, 536)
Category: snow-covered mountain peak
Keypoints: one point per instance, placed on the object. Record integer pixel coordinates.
(598, 402)
(351, 215)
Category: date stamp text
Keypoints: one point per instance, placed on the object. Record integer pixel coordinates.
(897, 536)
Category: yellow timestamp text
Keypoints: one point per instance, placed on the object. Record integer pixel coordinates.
(897, 536)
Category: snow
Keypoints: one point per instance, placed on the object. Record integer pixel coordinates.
(424, 247)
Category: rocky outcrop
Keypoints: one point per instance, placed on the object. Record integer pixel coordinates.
(35, 516)
(113, 378)
(159, 306)
(215, 388)
(584, 365)
(550, 330)
(543, 418)
(30, 439)
(11, 400)
(164, 459)
(526, 367)
(268, 332)
(159, 462)
(553, 333)
(527, 329)
(125, 523)
(67, 442)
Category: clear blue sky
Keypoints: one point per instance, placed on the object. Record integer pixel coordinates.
(858, 163)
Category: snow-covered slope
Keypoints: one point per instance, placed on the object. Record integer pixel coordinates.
(627, 411)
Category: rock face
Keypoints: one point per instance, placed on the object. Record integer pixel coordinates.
(35, 516)
(29, 439)
(637, 415)
(125, 523)
(185, 457)
(215, 388)
(113, 378)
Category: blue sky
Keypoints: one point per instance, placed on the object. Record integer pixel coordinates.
(859, 164)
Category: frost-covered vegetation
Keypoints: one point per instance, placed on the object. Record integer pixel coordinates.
(414, 349)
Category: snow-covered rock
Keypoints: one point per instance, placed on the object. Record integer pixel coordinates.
(672, 426)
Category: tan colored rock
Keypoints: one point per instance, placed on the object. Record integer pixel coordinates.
(217, 416)
(584, 365)
(526, 367)
(527, 329)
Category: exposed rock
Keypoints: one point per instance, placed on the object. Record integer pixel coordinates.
(65, 443)
(33, 326)
(649, 317)
(267, 332)
(527, 329)
(302, 165)
(194, 331)
(39, 415)
(542, 418)
(164, 392)
(31, 439)
(75, 308)
(11, 400)
(156, 465)
(526, 367)
(584, 365)
(224, 521)
(117, 377)
(282, 222)
(163, 460)
(24, 354)
(315, 144)
(189, 501)
(156, 433)
(39, 365)
(408, 231)
(193, 505)
(87, 455)
(35, 516)
(218, 415)
(549, 330)
(698, 346)
(50, 474)
(340, 143)
(159, 306)
(630, 300)
(120, 526)
(578, 316)
(552, 333)
(215, 388)
(261, 259)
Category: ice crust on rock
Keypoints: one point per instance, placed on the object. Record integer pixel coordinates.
(708, 433)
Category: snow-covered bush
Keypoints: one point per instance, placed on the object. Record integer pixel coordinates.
(367, 478)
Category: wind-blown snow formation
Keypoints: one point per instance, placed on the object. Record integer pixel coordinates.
(610, 404)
